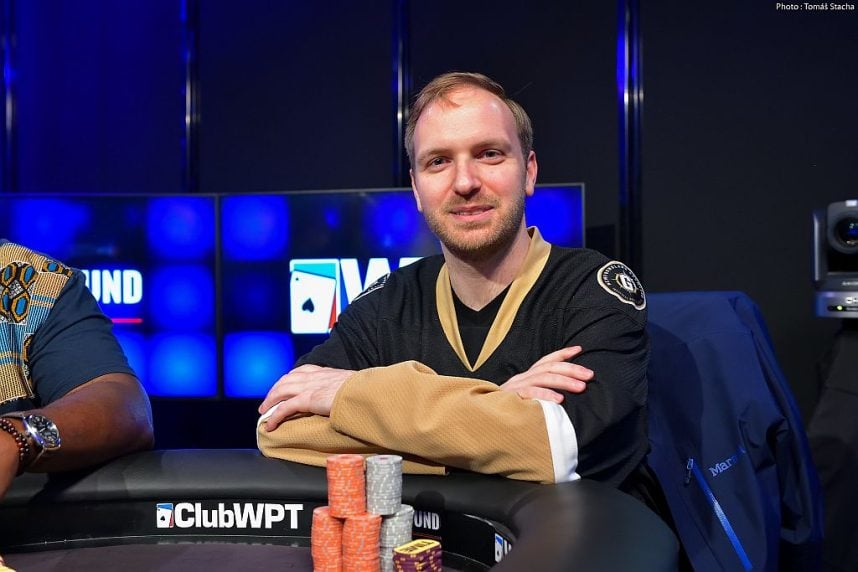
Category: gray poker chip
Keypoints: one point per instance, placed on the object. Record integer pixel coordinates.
(395, 531)
(383, 484)
(619, 281)
(396, 528)
(384, 497)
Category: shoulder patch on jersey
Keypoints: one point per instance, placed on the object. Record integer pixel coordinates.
(377, 285)
(619, 281)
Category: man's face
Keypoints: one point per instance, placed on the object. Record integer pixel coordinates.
(469, 176)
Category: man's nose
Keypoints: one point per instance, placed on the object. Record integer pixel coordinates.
(467, 178)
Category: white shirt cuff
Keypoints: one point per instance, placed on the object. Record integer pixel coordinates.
(562, 440)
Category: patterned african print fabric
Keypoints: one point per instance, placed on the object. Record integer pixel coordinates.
(29, 286)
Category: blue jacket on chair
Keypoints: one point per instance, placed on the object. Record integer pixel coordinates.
(728, 445)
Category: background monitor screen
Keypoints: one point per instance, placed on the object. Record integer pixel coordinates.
(218, 295)
(150, 261)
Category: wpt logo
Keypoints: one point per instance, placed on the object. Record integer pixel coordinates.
(164, 515)
(317, 285)
(314, 295)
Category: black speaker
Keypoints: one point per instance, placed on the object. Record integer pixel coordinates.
(835, 260)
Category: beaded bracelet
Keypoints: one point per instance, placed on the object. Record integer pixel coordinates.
(20, 440)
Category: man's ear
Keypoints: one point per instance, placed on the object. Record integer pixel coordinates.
(414, 190)
(530, 177)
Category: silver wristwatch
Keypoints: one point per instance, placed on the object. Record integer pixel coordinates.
(43, 433)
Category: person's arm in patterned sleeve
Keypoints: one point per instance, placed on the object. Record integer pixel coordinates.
(81, 383)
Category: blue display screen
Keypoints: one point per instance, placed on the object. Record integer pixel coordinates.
(150, 263)
(218, 295)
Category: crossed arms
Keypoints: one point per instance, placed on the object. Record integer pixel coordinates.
(520, 429)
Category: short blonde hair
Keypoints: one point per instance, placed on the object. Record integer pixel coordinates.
(444, 84)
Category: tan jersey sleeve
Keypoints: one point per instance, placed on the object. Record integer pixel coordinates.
(310, 439)
(434, 421)
(456, 422)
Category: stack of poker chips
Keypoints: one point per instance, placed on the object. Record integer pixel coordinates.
(365, 520)
(326, 541)
(360, 543)
(346, 485)
(422, 554)
(395, 531)
(383, 484)
(384, 497)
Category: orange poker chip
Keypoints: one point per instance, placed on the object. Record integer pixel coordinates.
(360, 543)
(346, 485)
(326, 535)
(357, 543)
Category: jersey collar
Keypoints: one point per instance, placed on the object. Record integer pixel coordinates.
(534, 262)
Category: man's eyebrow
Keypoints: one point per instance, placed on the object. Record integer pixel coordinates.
(431, 152)
(501, 144)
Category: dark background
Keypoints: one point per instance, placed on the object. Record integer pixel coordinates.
(748, 120)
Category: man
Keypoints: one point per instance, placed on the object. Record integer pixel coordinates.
(68, 398)
(505, 355)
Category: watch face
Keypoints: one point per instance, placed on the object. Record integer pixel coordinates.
(45, 430)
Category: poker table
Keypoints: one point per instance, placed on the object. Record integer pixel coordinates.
(233, 509)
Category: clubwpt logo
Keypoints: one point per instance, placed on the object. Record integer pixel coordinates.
(316, 287)
(227, 515)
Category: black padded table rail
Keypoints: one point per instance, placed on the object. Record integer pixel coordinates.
(238, 496)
